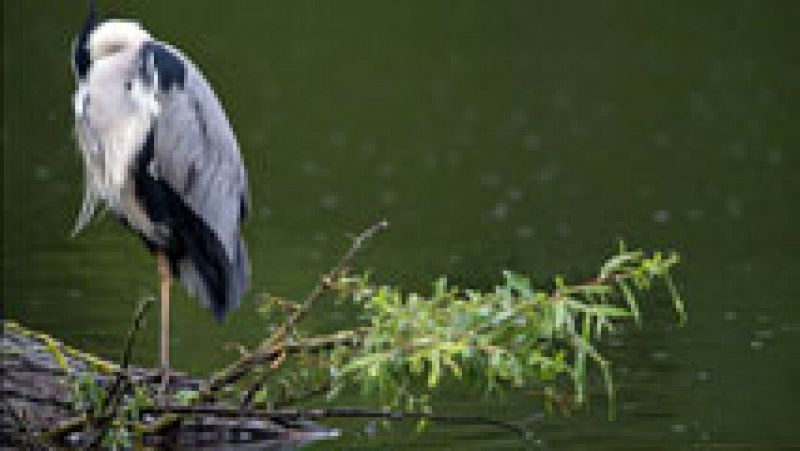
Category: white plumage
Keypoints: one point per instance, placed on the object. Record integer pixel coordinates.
(113, 119)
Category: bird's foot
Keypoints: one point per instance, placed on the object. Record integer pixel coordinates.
(163, 392)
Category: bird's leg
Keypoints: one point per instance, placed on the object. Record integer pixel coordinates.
(163, 272)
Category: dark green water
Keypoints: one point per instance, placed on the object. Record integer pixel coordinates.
(493, 135)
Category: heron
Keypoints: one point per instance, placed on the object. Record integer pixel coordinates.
(160, 154)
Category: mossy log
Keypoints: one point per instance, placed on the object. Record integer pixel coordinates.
(38, 409)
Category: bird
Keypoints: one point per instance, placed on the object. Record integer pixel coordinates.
(160, 154)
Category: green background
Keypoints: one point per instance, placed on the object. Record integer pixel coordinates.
(493, 135)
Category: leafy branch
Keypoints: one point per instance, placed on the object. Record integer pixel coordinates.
(514, 335)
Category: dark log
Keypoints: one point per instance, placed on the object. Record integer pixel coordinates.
(37, 376)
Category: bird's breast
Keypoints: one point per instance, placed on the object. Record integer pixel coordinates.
(115, 129)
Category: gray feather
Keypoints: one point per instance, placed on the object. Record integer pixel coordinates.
(196, 153)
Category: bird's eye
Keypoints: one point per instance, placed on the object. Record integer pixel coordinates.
(127, 85)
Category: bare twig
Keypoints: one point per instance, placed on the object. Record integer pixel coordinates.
(270, 347)
(114, 393)
(310, 345)
(112, 398)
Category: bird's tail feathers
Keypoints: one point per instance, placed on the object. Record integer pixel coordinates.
(218, 285)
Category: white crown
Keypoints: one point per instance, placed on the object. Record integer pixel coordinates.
(114, 36)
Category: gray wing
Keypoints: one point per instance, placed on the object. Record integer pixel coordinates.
(196, 153)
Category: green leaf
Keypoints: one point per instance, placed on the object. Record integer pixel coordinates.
(518, 283)
(630, 298)
(433, 376)
(676, 298)
(440, 287)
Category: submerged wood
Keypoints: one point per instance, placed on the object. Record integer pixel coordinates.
(37, 376)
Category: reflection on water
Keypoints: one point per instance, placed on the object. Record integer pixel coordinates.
(517, 136)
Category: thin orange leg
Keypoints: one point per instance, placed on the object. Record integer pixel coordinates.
(163, 272)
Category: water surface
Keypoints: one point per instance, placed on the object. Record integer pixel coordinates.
(492, 135)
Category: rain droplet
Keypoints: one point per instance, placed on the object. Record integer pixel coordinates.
(310, 167)
(500, 211)
(338, 139)
(695, 214)
(368, 148)
(388, 198)
(764, 334)
(660, 355)
(756, 345)
(546, 174)
(385, 170)
(524, 232)
(774, 157)
(330, 201)
(453, 158)
(661, 216)
(734, 207)
(532, 141)
(515, 194)
(679, 428)
(562, 101)
(729, 315)
(490, 179)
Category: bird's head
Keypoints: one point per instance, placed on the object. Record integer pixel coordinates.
(115, 36)
(98, 40)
